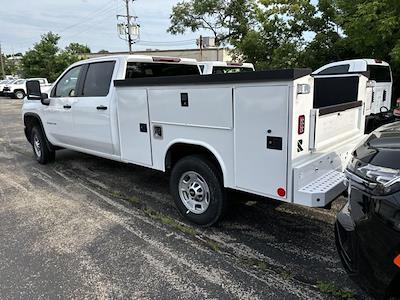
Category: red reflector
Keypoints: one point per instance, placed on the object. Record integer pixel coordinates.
(166, 59)
(281, 192)
(301, 125)
(397, 261)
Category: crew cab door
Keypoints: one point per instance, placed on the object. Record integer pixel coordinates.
(91, 110)
(58, 115)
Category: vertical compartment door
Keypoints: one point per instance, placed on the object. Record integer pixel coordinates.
(134, 127)
(261, 139)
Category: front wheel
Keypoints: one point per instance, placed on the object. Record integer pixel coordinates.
(20, 95)
(197, 189)
(41, 150)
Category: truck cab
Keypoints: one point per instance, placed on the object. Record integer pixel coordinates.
(220, 67)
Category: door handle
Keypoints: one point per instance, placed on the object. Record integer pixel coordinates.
(67, 106)
(101, 107)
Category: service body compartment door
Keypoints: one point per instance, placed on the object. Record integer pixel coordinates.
(134, 127)
(261, 139)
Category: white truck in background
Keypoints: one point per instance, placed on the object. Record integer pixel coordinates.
(378, 102)
(221, 67)
(258, 132)
(17, 88)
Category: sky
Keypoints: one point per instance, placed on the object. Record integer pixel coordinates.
(89, 22)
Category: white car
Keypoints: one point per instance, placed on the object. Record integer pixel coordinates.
(257, 132)
(17, 88)
(220, 67)
(4, 83)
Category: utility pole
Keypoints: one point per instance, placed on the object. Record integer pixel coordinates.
(2, 63)
(128, 31)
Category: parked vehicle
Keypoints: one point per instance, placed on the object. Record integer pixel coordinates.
(368, 228)
(17, 89)
(378, 103)
(258, 132)
(220, 67)
(4, 83)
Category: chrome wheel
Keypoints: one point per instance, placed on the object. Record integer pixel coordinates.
(194, 192)
(37, 146)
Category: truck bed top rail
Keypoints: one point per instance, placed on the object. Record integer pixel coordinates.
(260, 76)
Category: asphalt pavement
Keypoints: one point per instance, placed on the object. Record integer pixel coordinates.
(89, 228)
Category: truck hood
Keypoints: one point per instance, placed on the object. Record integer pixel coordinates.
(381, 148)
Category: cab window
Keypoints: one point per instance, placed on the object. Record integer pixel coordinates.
(67, 86)
(342, 69)
(380, 73)
(142, 70)
(98, 79)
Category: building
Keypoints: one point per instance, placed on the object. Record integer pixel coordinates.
(208, 54)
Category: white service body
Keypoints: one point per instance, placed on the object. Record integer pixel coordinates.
(250, 127)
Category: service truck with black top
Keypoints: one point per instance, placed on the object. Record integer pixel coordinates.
(270, 133)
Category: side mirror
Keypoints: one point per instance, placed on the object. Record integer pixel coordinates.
(45, 99)
(33, 90)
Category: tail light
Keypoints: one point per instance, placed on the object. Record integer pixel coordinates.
(166, 59)
(397, 261)
(301, 124)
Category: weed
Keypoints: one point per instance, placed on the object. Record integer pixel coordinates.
(331, 289)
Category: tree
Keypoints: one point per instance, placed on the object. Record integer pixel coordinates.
(226, 19)
(78, 49)
(46, 59)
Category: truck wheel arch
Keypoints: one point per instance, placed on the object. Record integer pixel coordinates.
(31, 120)
(178, 150)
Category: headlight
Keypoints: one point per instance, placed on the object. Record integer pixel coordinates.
(388, 179)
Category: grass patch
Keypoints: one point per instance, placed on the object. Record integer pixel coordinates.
(258, 263)
(331, 289)
(286, 275)
(133, 200)
(167, 220)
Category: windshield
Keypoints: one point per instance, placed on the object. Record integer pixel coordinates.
(380, 73)
(21, 81)
(229, 70)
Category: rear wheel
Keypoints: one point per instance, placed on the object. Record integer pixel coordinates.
(20, 95)
(43, 154)
(197, 188)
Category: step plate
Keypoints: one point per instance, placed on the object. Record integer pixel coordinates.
(324, 189)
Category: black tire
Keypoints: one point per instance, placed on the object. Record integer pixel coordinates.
(19, 95)
(43, 154)
(213, 179)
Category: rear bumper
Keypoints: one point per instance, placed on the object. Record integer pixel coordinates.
(318, 178)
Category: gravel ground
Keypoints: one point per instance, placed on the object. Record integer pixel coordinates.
(85, 227)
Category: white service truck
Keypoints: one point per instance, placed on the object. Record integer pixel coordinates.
(378, 102)
(257, 132)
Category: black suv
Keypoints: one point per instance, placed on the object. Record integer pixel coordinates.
(367, 230)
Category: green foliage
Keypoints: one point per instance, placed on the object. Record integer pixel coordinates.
(76, 48)
(332, 290)
(47, 60)
(226, 19)
(297, 33)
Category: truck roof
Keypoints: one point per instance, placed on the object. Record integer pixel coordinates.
(144, 58)
(363, 61)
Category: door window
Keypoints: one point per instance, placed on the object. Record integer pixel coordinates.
(98, 79)
(67, 86)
